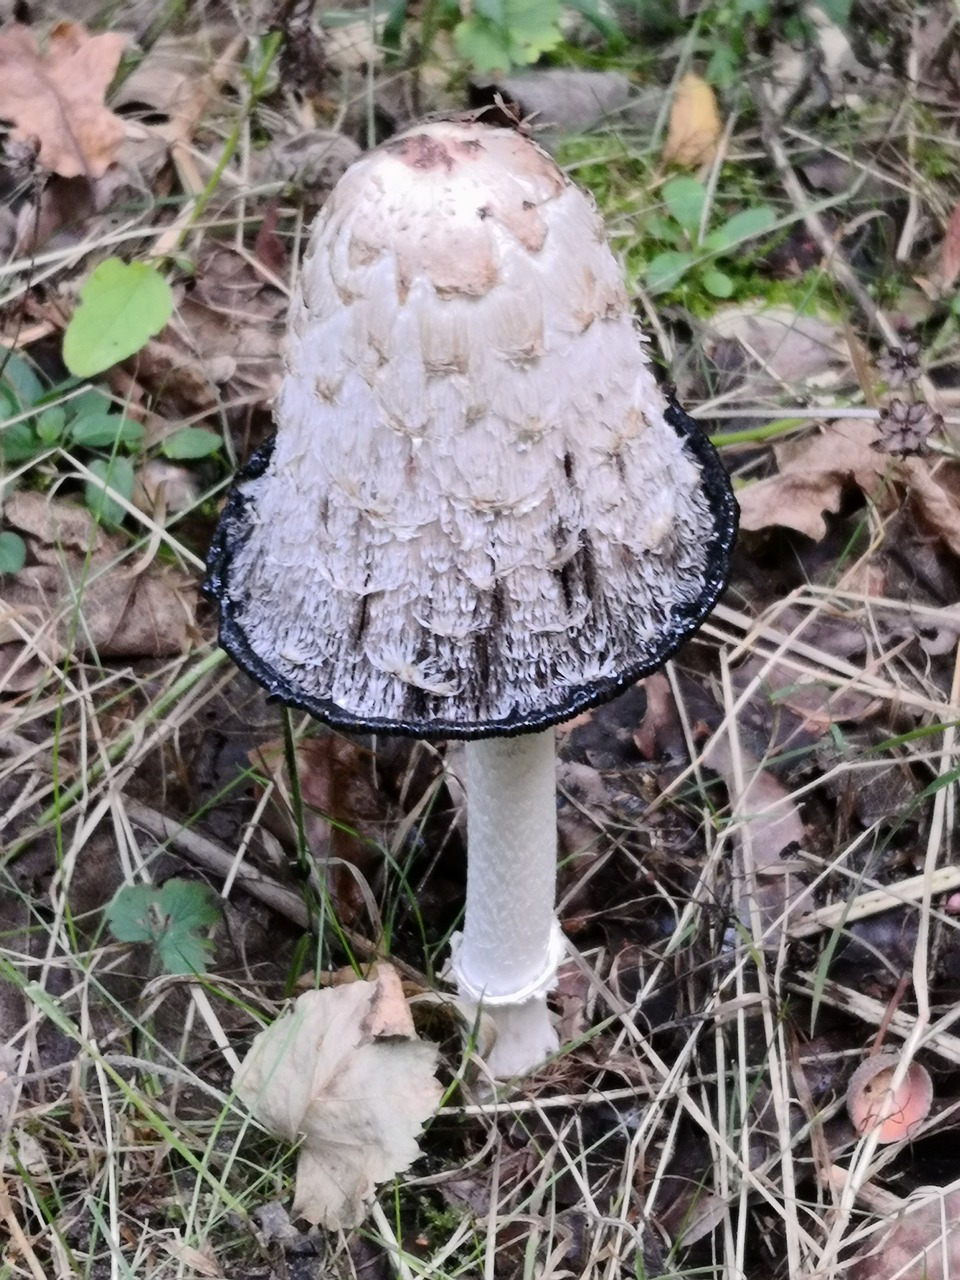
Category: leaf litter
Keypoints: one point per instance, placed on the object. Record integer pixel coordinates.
(746, 865)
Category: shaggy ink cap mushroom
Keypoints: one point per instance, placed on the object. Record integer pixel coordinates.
(480, 515)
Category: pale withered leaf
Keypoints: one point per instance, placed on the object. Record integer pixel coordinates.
(357, 1099)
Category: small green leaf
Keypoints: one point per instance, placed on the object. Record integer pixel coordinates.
(685, 198)
(500, 34)
(51, 423)
(19, 377)
(723, 66)
(18, 442)
(169, 919)
(88, 403)
(191, 442)
(13, 552)
(744, 225)
(118, 474)
(667, 269)
(606, 24)
(658, 227)
(122, 304)
(104, 430)
(717, 282)
(837, 11)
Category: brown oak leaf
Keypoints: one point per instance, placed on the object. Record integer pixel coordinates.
(57, 96)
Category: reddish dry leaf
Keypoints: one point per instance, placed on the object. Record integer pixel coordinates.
(346, 815)
(950, 251)
(57, 96)
(268, 248)
(812, 478)
(935, 490)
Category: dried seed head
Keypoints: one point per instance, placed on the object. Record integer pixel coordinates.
(480, 514)
(904, 428)
(900, 365)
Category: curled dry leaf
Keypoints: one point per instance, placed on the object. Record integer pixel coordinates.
(873, 1104)
(347, 818)
(344, 1071)
(57, 96)
(769, 818)
(813, 475)
(950, 251)
(695, 127)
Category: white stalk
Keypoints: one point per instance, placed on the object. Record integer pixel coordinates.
(506, 959)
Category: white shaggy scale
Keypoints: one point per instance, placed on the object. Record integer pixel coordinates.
(474, 506)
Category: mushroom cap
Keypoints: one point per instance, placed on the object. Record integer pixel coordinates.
(479, 514)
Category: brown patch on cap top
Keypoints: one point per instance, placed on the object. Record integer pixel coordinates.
(420, 151)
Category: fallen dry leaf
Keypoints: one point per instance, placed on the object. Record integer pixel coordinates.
(813, 475)
(117, 613)
(225, 342)
(57, 96)
(695, 127)
(777, 344)
(769, 818)
(812, 478)
(357, 1096)
(922, 1244)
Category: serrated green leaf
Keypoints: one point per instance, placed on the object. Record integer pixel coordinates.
(525, 30)
(13, 552)
(128, 915)
(118, 475)
(104, 430)
(18, 442)
(717, 283)
(169, 919)
(184, 952)
(191, 442)
(667, 269)
(189, 904)
(685, 198)
(122, 305)
(744, 225)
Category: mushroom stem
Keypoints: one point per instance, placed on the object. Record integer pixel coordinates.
(507, 956)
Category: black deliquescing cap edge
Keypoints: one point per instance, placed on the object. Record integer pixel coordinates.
(231, 531)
